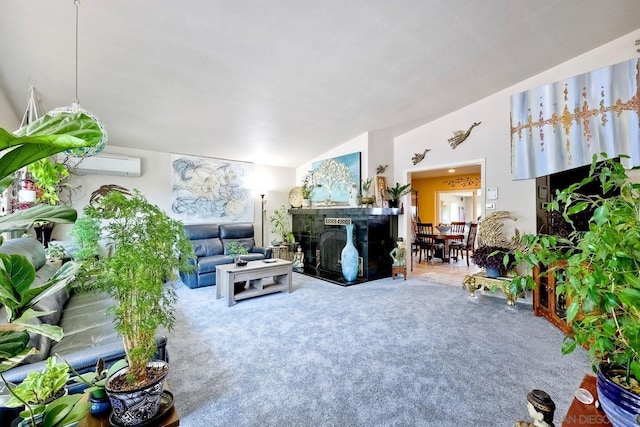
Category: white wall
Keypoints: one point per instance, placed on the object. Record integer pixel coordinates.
(491, 140)
(154, 183)
(8, 119)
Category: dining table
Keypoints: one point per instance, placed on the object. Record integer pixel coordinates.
(444, 238)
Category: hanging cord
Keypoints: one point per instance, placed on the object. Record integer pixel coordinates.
(76, 3)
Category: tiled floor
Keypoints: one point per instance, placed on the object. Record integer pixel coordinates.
(451, 274)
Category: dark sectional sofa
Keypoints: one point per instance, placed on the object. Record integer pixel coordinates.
(210, 242)
(88, 330)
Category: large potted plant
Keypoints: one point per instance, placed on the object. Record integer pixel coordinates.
(149, 248)
(597, 271)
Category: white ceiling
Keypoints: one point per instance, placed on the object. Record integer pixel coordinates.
(282, 81)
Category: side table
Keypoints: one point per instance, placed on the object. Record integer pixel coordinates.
(580, 414)
(480, 280)
(281, 252)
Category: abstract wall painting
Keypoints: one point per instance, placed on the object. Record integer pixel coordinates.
(336, 177)
(561, 125)
(211, 190)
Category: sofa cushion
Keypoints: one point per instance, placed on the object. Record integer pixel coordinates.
(201, 231)
(27, 246)
(54, 302)
(209, 263)
(207, 247)
(236, 231)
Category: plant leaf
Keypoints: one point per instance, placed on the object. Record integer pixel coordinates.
(24, 219)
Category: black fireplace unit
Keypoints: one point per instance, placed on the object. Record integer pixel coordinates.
(322, 235)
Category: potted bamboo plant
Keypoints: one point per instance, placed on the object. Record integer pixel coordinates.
(149, 248)
(597, 271)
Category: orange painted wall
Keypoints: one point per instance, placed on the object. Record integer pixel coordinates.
(428, 186)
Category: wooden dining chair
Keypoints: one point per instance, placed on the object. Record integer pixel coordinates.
(425, 243)
(466, 245)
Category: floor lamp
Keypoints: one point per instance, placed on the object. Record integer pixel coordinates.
(262, 217)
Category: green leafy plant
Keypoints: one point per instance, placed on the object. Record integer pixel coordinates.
(597, 269)
(365, 185)
(235, 248)
(39, 388)
(85, 234)
(54, 252)
(49, 177)
(42, 394)
(281, 226)
(150, 247)
(398, 191)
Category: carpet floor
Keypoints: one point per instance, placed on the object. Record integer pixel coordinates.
(383, 353)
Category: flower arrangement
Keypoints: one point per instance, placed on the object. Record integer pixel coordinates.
(495, 257)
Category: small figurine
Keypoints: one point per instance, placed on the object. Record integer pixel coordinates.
(399, 254)
(353, 196)
(541, 409)
(298, 259)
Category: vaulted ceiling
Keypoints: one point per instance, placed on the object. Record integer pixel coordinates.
(282, 81)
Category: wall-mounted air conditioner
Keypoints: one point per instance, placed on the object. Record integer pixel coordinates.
(105, 164)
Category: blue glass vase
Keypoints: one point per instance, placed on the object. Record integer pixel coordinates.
(349, 257)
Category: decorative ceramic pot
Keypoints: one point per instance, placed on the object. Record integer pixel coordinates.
(621, 406)
(306, 203)
(99, 405)
(493, 272)
(393, 203)
(133, 407)
(349, 257)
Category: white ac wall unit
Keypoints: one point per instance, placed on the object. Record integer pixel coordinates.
(105, 164)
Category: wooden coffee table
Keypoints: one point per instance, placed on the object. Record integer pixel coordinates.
(256, 273)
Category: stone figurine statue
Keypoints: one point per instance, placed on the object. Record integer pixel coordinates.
(298, 259)
(541, 409)
(399, 254)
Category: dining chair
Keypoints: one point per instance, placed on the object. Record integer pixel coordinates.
(466, 245)
(424, 242)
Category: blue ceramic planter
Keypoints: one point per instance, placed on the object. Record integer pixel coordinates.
(621, 406)
(493, 272)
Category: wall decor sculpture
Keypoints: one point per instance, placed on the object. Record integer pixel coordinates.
(210, 190)
(418, 157)
(460, 135)
(335, 177)
(561, 125)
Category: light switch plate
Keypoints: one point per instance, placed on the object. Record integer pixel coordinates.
(492, 193)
